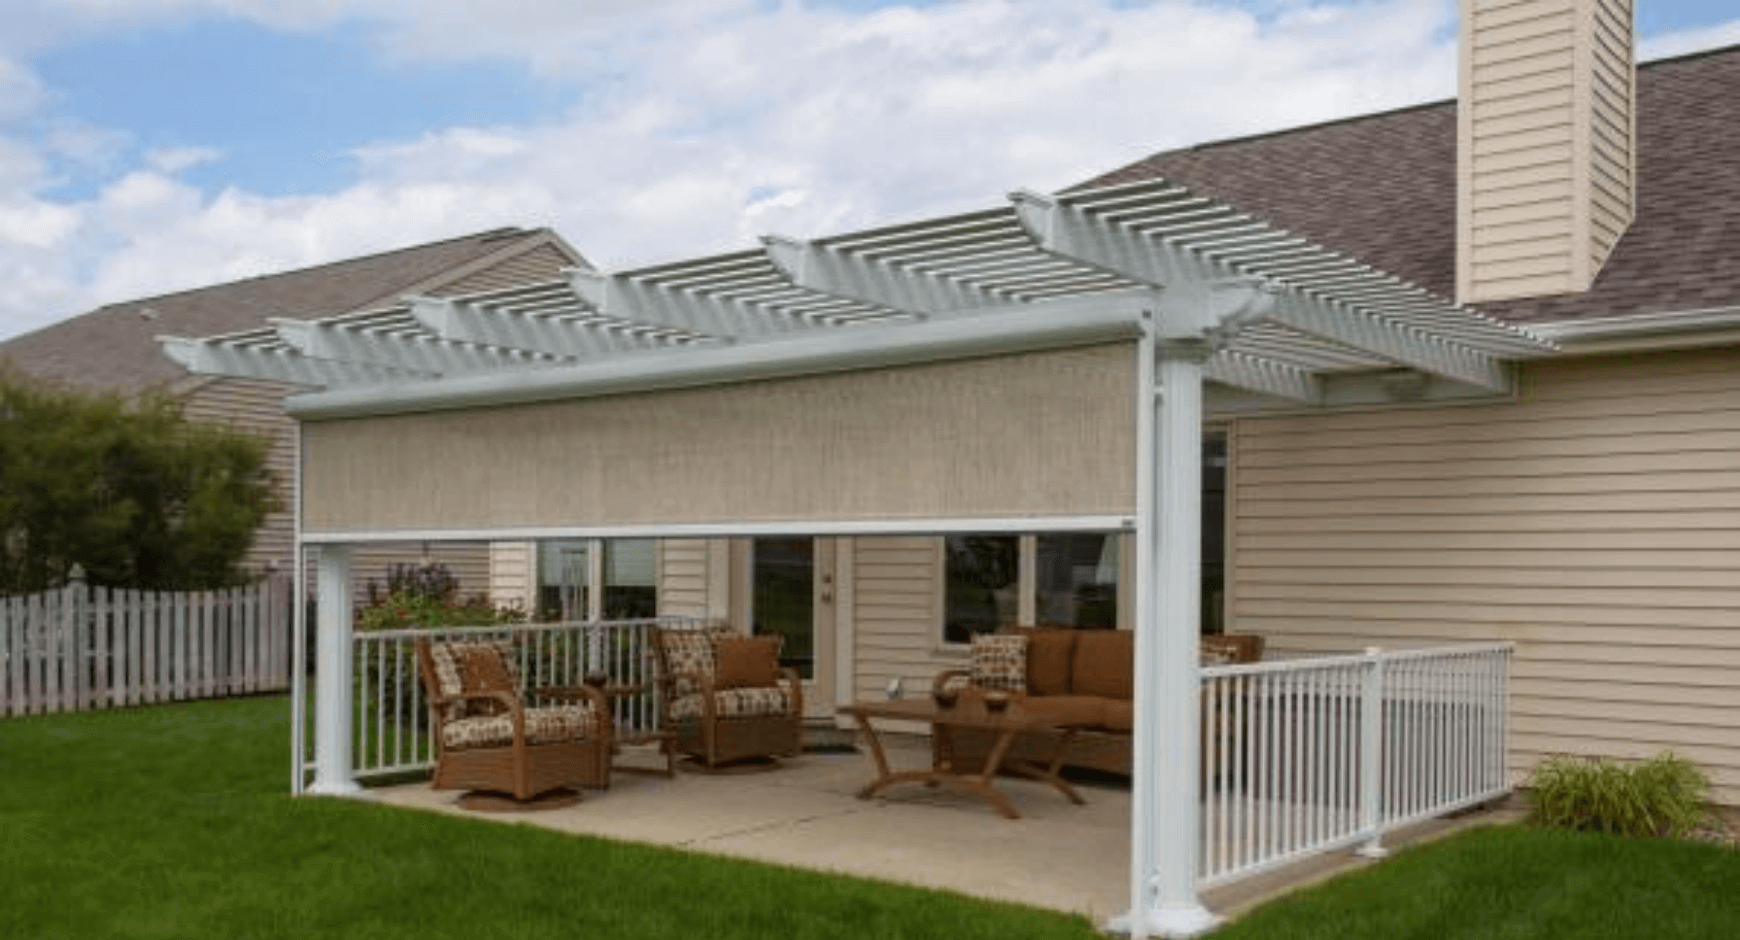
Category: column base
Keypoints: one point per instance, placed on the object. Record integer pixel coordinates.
(333, 788)
(1191, 921)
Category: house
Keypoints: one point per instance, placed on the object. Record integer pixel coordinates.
(114, 349)
(1458, 372)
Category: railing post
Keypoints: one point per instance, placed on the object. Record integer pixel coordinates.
(1371, 764)
(332, 677)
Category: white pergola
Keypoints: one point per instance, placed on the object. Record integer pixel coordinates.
(1209, 293)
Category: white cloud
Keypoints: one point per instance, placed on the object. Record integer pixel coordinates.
(703, 123)
(176, 159)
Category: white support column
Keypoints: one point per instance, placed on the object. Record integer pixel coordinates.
(1165, 809)
(332, 678)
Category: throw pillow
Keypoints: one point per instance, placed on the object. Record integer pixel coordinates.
(746, 662)
(1000, 661)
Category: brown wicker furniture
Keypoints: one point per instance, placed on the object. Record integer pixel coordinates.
(714, 722)
(967, 714)
(1085, 679)
(489, 740)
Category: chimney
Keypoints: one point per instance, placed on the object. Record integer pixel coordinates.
(1546, 168)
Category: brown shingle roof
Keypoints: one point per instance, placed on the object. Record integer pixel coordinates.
(1382, 188)
(115, 347)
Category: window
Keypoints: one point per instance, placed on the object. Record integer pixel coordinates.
(1063, 579)
(563, 576)
(568, 567)
(1076, 577)
(982, 574)
(630, 579)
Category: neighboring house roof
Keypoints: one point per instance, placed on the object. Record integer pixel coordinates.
(115, 346)
(1382, 188)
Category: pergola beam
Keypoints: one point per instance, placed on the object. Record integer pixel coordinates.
(629, 298)
(551, 335)
(326, 340)
(828, 270)
(1070, 232)
(214, 357)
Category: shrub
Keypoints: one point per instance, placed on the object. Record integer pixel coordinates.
(1666, 795)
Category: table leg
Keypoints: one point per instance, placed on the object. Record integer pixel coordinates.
(1049, 773)
(883, 777)
(985, 786)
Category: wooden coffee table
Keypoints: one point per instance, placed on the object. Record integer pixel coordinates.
(968, 713)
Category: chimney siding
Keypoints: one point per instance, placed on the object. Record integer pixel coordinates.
(1546, 170)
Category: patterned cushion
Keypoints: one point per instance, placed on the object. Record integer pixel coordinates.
(737, 703)
(1000, 661)
(543, 726)
(690, 651)
(459, 668)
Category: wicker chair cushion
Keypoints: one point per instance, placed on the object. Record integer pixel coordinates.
(736, 703)
(1105, 664)
(464, 666)
(548, 725)
(1000, 662)
(1050, 655)
(690, 651)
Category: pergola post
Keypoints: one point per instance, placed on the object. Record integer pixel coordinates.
(1165, 803)
(332, 676)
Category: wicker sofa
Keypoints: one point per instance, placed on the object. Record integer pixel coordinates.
(1086, 678)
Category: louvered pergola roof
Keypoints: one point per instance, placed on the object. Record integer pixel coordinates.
(1294, 310)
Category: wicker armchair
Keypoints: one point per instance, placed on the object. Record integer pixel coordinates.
(723, 725)
(487, 738)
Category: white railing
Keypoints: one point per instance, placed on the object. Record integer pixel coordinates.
(1305, 756)
(79, 648)
(391, 726)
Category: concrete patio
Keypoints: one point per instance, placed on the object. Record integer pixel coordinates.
(804, 814)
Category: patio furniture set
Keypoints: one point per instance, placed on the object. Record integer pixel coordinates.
(1034, 700)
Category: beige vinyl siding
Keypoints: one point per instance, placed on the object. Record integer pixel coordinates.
(1545, 133)
(897, 614)
(686, 579)
(1595, 521)
(543, 263)
(1031, 434)
(513, 574)
(257, 408)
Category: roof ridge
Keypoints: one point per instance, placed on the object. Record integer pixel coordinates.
(488, 235)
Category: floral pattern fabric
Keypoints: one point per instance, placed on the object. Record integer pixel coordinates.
(549, 725)
(736, 703)
(999, 661)
(451, 658)
(690, 651)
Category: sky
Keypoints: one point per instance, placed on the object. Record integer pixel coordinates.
(149, 146)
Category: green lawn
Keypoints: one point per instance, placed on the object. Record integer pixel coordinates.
(173, 821)
(1511, 883)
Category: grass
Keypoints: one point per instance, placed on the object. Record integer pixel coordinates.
(1514, 883)
(173, 821)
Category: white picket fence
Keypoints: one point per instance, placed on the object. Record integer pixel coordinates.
(1304, 756)
(81, 647)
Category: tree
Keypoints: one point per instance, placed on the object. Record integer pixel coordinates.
(132, 492)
